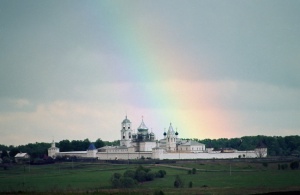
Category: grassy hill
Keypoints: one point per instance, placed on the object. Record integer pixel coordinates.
(212, 177)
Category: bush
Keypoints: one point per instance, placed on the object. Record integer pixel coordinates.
(116, 183)
(190, 184)
(141, 168)
(127, 182)
(194, 171)
(294, 165)
(178, 183)
(189, 172)
(130, 177)
(159, 192)
(117, 175)
(160, 173)
(150, 176)
(129, 173)
(284, 166)
(265, 164)
(140, 176)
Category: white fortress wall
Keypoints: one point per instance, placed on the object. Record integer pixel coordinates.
(82, 154)
(240, 154)
(122, 155)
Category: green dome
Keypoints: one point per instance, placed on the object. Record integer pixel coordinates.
(126, 120)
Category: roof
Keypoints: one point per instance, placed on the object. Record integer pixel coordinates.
(73, 152)
(21, 155)
(143, 126)
(92, 147)
(126, 120)
(191, 143)
(171, 130)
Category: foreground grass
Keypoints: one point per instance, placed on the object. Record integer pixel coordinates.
(211, 178)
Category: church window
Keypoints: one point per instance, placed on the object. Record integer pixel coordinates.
(129, 127)
(123, 127)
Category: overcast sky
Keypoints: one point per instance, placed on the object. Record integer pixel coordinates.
(74, 69)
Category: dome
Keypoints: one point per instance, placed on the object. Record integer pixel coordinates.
(92, 147)
(165, 133)
(126, 120)
(176, 133)
(142, 126)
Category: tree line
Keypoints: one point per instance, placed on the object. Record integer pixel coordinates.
(39, 150)
(277, 145)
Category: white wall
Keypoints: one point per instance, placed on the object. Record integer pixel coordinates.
(129, 155)
(147, 146)
(242, 154)
(78, 154)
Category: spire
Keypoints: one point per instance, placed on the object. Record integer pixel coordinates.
(142, 125)
(53, 144)
(171, 131)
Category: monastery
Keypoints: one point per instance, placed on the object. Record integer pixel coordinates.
(143, 144)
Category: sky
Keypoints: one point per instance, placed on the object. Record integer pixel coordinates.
(214, 69)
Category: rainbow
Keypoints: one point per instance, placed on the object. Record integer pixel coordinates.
(149, 55)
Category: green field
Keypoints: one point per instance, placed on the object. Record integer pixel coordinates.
(220, 177)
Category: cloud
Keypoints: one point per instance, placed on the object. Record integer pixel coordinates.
(202, 109)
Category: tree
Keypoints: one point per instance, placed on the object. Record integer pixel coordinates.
(127, 182)
(65, 145)
(141, 176)
(129, 173)
(99, 143)
(116, 183)
(13, 152)
(260, 152)
(6, 159)
(4, 154)
(117, 175)
(194, 171)
(294, 165)
(178, 183)
(150, 176)
(161, 173)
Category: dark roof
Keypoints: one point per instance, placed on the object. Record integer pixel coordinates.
(142, 126)
(92, 147)
(126, 120)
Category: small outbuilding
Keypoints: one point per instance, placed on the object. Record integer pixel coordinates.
(22, 157)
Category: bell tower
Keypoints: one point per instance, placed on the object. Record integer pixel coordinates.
(126, 132)
(171, 138)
